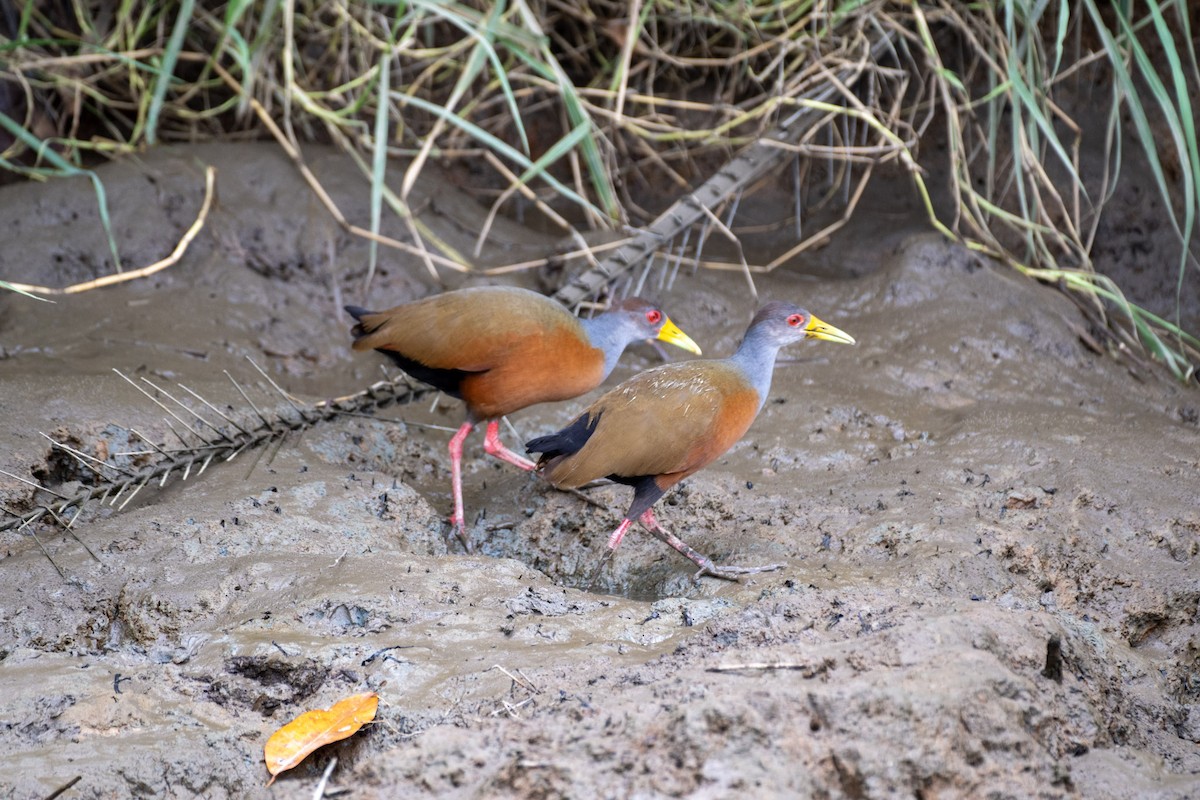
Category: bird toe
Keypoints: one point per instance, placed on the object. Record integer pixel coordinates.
(732, 573)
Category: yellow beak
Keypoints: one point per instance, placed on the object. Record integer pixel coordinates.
(823, 330)
(671, 334)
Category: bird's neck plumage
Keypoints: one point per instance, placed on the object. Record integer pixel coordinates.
(755, 358)
(610, 333)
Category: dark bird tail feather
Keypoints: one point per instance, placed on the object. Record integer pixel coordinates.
(362, 328)
(566, 442)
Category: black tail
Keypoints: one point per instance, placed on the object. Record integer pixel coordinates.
(358, 312)
(568, 441)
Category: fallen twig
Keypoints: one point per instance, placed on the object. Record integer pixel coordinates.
(210, 184)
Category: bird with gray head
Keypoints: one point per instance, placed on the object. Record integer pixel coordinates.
(501, 349)
(665, 424)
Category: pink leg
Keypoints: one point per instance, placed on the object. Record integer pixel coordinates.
(615, 539)
(493, 447)
(707, 567)
(458, 521)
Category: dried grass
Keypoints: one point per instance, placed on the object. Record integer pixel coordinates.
(568, 105)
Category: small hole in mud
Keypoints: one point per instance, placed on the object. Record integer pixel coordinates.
(61, 467)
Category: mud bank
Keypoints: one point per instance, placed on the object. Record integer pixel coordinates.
(967, 485)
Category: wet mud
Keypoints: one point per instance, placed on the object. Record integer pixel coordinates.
(990, 531)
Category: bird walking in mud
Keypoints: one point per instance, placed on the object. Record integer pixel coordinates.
(501, 349)
(664, 424)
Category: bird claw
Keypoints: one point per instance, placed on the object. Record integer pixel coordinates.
(731, 573)
(706, 565)
(460, 531)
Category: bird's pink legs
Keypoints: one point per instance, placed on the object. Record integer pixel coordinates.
(707, 567)
(458, 521)
(493, 447)
(615, 539)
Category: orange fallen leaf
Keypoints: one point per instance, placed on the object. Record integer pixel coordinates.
(289, 745)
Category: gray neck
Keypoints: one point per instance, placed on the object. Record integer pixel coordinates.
(755, 357)
(612, 333)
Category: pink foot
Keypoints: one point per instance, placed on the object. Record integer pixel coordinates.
(707, 567)
(493, 446)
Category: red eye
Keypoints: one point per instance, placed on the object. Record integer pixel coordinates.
(654, 316)
(796, 320)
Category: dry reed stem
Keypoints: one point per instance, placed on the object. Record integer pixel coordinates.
(210, 182)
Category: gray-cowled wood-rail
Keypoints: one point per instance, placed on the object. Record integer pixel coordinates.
(664, 424)
(501, 349)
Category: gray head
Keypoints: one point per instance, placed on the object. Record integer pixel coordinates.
(632, 321)
(780, 323)
(777, 324)
(640, 319)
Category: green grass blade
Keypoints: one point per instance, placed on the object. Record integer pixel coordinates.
(65, 167)
(1060, 33)
(1185, 137)
(557, 151)
(238, 47)
(9, 287)
(494, 32)
(1036, 113)
(498, 145)
(379, 159)
(553, 71)
(1158, 91)
(454, 14)
(1130, 96)
(170, 58)
(576, 114)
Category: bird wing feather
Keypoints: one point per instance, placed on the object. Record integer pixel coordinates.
(672, 420)
(470, 330)
(517, 347)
